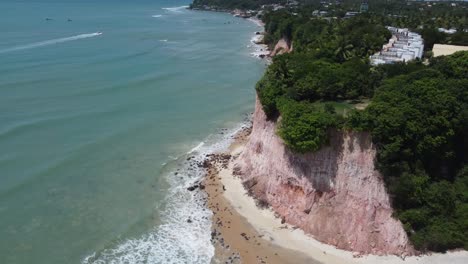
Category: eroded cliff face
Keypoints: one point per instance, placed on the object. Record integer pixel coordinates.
(281, 47)
(334, 194)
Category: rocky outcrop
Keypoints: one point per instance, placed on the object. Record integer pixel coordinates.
(281, 47)
(334, 194)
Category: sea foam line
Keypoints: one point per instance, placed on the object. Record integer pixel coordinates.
(197, 147)
(174, 240)
(50, 42)
(177, 9)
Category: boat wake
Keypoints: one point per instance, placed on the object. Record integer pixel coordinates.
(50, 42)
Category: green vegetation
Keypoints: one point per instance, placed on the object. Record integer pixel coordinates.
(417, 115)
(336, 39)
(304, 126)
(419, 121)
(329, 63)
(422, 17)
(341, 108)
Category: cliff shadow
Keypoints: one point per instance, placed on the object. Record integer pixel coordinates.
(364, 140)
(320, 167)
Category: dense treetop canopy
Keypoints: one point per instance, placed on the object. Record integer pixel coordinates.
(419, 122)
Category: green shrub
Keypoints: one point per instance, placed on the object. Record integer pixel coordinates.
(304, 127)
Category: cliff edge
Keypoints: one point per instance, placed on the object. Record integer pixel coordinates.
(334, 194)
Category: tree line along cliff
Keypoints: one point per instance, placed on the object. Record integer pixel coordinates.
(417, 115)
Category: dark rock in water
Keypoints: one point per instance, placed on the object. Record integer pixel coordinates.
(257, 33)
(206, 164)
(262, 203)
(189, 220)
(202, 187)
(262, 56)
(192, 188)
(225, 156)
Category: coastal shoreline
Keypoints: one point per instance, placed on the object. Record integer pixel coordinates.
(235, 239)
(262, 50)
(243, 232)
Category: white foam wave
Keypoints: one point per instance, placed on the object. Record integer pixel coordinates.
(156, 16)
(51, 42)
(259, 50)
(176, 9)
(255, 39)
(163, 40)
(197, 147)
(175, 240)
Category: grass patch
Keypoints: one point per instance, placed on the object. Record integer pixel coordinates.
(342, 108)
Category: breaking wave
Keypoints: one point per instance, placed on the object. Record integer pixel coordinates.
(175, 240)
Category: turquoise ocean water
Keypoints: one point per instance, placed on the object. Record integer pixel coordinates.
(97, 116)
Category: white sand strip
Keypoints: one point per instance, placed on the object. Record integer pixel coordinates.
(257, 21)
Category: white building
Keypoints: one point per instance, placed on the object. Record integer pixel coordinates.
(403, 46)
(447, 31)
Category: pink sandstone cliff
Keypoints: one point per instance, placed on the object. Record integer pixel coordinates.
(334, 194)
(281, 47)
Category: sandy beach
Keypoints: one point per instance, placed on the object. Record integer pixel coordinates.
(234, 237)
(257, 21)
(244, 233)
